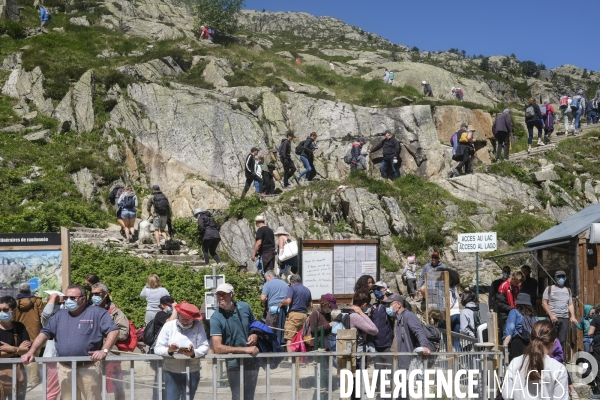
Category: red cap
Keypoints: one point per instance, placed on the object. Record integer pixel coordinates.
(188, 310)
(435, 254)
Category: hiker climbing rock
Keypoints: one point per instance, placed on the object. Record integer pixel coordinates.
(427, 89)
(391, 155)
(285, 153)
(250, 171)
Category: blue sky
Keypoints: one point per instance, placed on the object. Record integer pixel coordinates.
(528, 29)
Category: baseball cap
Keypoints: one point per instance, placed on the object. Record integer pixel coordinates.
(362, 139)
(197, 211)
(328, 297)
(381, 284)
(155, 187)
(387, 131)
(166, 300)
(225, 288)
(393, 298)
(523, 298)
(560, 273)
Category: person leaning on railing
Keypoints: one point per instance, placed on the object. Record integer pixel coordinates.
(78, 331)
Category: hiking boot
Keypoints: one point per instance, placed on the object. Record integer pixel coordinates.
(456, 173)
(297, 181)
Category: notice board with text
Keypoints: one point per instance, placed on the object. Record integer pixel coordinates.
(333, 266)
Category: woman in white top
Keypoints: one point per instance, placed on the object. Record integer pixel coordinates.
(152, 292)
(535, 375)
(411, 276)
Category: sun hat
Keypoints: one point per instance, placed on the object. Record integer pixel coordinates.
(188, 310)
(197, 211)
(280, 231)
(259, 218)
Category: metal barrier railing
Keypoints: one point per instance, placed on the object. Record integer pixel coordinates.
(312, 372)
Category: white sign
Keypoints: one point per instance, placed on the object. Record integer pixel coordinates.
(476, 242)
(317, 271)
(209, 282)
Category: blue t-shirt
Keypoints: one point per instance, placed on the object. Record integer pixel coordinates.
(76, 336)
(233, 327)
(300, 296)
(276, 291)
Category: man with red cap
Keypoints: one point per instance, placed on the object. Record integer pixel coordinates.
(229, 328)
(185, 336)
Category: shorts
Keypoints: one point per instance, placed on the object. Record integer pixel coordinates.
(160, 222)
(294, 323)
(128, 214)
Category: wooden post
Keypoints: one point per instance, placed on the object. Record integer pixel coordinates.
(492, 335)
(65, 242)
(426, 300)
(346, 341)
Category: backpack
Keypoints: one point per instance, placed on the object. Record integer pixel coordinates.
(280, 151)
(391, 75)
(131, 342)
(563, 102)
(161, 204)
(114, 194)
(432, 334)
(461, 94)
(300, 147)
(528, 322)
(544, 111)
(211, 31)
(342, 321)
(454, 142)
(575, 104)
(476, 318)
(529, 112)
(129, 202)
(464, 138)
(348, 156)
(149, 336)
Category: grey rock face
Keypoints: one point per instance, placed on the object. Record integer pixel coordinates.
(300, 87)
(491, 190)
(398, 220)
(9, 10)
(28, 86)
(236, 240)
(152, 71)
(12, 61)
(364, 212)
(81, 21)
(76, 110)
(84, 180)
(545, 175)
(38, 137)
(589, 193)
(216, 71)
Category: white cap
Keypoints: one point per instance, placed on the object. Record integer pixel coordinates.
(225, 288)
(424, 83)
(259, 218)
(381, 284)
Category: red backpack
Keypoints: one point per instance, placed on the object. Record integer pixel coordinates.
(564, 102)
(131, 342)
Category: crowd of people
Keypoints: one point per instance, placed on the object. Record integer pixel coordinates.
(85, 321)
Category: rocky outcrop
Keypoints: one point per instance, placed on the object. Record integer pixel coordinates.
(237, 240)
(12, 61)
(9, 10)
(84, 181)
(216, 71)
(28, 86)
(441, 81)
(153, 70)
(491, 190)
(38, 137)
(76, 110)
(81, 21)
(196, 193)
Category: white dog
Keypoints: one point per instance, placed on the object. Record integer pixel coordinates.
(144, 232)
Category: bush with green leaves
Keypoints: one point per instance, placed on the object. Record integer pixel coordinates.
(126, 275)
(13, 29)
(220, 15)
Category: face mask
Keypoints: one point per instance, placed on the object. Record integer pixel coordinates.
(561, 281)
(5, 316)
(326, 310)
(378, 294)
(505, 276)
(71, 305)
(169, 310)
(184, 327)
(390, 311)
(97, 300)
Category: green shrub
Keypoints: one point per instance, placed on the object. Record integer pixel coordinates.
(13, 29)
(248, 207)
(125, 275)
(517, 228)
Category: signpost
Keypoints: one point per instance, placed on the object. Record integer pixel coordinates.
(210, 299)
(476, 243)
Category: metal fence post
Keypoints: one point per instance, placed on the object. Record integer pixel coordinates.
(44, 380)
(215, 373)
(103, 372)
(330, 377)
(318, 377)
(160, 381)
(241, 379)
(294, 388)
(188, 378)
(73, 379)
(132, 379)
(268, 371)
(14, 382)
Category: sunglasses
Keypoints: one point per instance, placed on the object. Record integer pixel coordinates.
(5, 310)
(97, 294)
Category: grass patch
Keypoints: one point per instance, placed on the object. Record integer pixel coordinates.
(516, 228)
(248, 207)
(510, 170)
(7, 114)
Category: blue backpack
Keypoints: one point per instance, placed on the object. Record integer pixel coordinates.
(129, 202)
(575, 103)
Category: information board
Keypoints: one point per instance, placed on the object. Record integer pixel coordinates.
(476, 242)
(333, 266)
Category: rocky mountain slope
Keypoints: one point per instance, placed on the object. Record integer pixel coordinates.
(127, 93)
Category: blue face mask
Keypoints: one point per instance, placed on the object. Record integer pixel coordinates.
(169, 310)
(97, 300)
(561, 281)
(378, 294)
(390, 311)
(505, 276)
(5, 316)
(71, 305)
